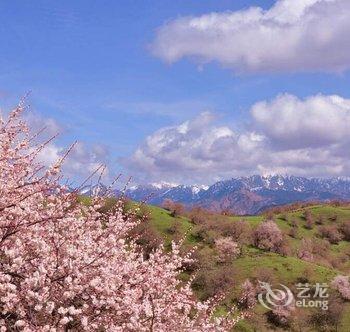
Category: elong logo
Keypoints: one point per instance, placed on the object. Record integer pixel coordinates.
(271, 298)
(309, 296)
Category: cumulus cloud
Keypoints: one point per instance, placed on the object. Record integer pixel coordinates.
(293, 35)
(315, 121)
(194, 150)
(286, 135)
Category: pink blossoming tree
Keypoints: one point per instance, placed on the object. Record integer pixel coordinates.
(268, 236)
(342, 285)
(248, 295)
(64, 267)
(227, 249)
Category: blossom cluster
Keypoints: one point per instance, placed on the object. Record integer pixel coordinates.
(268, 236)
(68, 266)
(342, 285)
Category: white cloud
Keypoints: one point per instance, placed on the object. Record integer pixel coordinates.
(195, 150)
(293, 35)
(315, 121)
(287, 135)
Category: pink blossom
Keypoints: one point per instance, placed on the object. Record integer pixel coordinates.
(62, 266)
(268, 236)
(342, 285)
(227, 248)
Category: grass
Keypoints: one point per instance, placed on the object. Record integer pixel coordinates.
(285, 270)
(255, 264)
(161, 221)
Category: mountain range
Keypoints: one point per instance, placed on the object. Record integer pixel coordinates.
(242, 196)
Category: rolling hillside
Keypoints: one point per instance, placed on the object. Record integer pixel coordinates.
(254, 263)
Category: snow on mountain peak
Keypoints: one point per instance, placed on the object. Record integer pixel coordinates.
(197, 188)
(163, 184)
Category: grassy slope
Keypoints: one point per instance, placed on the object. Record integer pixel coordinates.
(162, 221)
(286, 270)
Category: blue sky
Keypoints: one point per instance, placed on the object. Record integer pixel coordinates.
(92, 67)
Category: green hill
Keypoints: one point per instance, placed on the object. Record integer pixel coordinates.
(321, 226)
(254, 263)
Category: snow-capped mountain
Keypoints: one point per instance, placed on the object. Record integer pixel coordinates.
(245, 195)
(156, 193)
(93, 190)
(250, 195)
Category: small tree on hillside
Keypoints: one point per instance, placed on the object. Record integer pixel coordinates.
(345, 229)
(342, 285)
(227, 249)
(309, 219)
(198, 215)
(331, 233)
(247, 298)
(327, 320)
(281, 315)
(175, 230)
(305, 252)
(239, 230)
(268, 236)
(176, 209)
